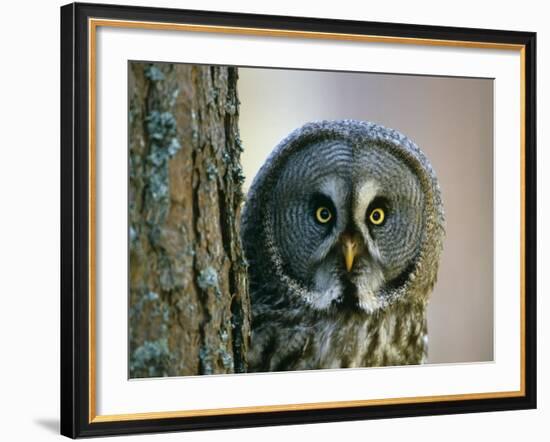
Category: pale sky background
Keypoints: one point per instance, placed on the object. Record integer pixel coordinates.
(451, 120)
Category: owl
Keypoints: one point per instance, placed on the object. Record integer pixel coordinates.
(342, 229)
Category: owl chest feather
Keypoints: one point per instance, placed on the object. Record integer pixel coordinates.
(396, 335)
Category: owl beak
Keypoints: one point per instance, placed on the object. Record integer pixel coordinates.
(349, 248)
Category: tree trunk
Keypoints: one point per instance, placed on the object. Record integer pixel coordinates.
(189, 305)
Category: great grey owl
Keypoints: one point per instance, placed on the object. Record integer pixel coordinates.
(342, 228)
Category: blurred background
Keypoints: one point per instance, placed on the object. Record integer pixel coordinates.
(451, 120)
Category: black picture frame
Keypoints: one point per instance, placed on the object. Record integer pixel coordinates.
(75, 220)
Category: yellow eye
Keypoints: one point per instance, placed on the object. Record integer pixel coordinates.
(323, 214)
(377, 216)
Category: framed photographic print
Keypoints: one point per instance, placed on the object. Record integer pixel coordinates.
(275, 220)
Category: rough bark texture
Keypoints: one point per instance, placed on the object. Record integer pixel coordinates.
(189, 305)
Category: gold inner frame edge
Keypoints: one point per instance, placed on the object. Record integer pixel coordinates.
(93, 23)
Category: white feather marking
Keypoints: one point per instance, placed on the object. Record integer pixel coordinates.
(327, 288)
(367, 286)
(335, 188)
(363, 195)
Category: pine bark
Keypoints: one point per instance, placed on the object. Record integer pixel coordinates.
(188, 300)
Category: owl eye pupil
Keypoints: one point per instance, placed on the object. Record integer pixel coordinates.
(323, 215)
(376, 216)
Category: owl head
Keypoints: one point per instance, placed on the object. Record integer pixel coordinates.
(344, 215)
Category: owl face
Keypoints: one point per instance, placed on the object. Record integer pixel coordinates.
(346, 223)
(343, 215)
